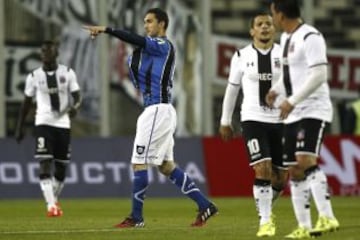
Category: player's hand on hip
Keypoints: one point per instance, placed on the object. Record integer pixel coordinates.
(285, 109)
(226, 132)
(94, 30)
(270, 98)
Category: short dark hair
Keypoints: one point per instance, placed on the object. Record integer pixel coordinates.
(290, 8)
(51, 43)
(160, 15)
(257, 14)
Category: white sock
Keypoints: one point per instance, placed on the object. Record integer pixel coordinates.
(47, 189)
(319, 189)
(300, 196)
(263, 196)
(57, 188)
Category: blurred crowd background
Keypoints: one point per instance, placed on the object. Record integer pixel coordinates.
(205, 33)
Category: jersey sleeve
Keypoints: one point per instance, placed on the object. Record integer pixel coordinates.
(156, 46)
(30, 87)
(236, 72)
(232, 90)
(315, 49)
(73, 83)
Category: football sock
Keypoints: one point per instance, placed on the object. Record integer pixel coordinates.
(189, 188)
(57, 188)
(140, 184)
(262, 194)
(300, 196)
(47, 189)
(319, 189)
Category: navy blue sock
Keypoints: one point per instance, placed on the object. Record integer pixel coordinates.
(140, 184)
(189, 188)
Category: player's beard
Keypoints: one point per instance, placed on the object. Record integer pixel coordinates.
(265, 40)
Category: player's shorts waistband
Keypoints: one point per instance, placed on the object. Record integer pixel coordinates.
(158, 104)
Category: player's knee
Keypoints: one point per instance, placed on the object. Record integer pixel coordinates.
(167, 167)
(45, 168)
(279, 177)
(305, 160)
(263, 170)
(60, 171)
(296, 173)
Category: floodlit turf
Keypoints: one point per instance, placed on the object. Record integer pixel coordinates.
(166, 219)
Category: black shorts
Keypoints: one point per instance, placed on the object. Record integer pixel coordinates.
(263, 141)
(303, 137)
(52, 143)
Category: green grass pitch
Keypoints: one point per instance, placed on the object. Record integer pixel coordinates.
(165, 218)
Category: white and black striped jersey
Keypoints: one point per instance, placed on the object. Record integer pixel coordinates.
(255, 71)
(303, 49)
(52, 91)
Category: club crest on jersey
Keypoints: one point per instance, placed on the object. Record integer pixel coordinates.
(140, 149)
(277, 62)
(62, 79)
(160, 40)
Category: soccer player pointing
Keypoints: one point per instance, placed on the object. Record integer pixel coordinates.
(152, 66)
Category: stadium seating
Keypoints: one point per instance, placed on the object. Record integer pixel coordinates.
(337, 20)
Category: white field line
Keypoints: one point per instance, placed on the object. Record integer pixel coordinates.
(58, 231)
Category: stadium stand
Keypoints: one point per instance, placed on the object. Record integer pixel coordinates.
(337, 20)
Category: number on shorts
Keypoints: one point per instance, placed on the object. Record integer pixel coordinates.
(253, 146)
(40, 142)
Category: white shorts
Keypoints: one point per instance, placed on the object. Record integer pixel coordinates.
(154, 140)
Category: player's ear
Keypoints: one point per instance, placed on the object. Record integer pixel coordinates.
(162, 24)
(252, 32)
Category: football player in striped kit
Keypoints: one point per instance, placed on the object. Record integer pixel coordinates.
(254, 69)
(152, 66)
(52, 85)
(307, 110)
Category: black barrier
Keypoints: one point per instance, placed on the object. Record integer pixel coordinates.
(100, 167)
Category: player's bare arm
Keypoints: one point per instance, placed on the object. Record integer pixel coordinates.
(77, 103)
(226, 132)
(25, 108)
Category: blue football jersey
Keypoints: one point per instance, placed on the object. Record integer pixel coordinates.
(152, 70)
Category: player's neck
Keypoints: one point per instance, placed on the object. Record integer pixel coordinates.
(292, 24)
(50, 66)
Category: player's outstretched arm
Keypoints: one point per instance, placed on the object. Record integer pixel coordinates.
(123, 35)
(94, 30)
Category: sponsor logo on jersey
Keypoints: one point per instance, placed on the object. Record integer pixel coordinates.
(248, 64)
(160, 40)
(265, 76)
(53, 90)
